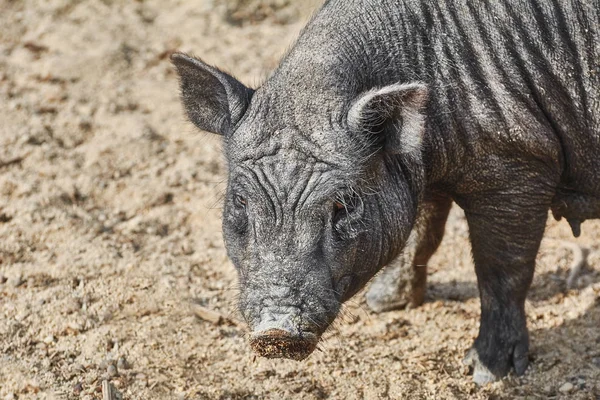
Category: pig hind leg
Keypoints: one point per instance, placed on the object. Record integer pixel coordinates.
(403, 282)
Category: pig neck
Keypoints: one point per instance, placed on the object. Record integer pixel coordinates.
(352, 46)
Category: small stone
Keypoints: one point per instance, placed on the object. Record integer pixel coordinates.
(103, 364)
(16, 281)
(91, 378)
(72, 305)
(112, 371)
(566, 388)
(3, 279)
(77, 368)
(596, 361)
(74, 327)
(21, 316)
(107, 316)
(85, 123)
(122, 363)
(49, 339)
(77, 388)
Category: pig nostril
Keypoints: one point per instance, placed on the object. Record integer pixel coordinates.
(278, 343)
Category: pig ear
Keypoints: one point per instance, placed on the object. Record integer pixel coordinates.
(391, 116)
(214, 101)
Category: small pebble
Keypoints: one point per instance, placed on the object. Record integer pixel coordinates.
(75, 326)
(112, 370)
(91, 378)
(73, 305)
(49, 339)
(77, 388)
(107, 316)
(566, 388)
(77, 368)
(21, 316)
(596, 361)
(122, 363)
(16, 281)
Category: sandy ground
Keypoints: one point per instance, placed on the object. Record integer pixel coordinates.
(110, 233)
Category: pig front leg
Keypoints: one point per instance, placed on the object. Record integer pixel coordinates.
(505, 230)
(403, 282)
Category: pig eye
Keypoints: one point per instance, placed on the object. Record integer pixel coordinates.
(341, 208)
(237, 219)
(240, 202)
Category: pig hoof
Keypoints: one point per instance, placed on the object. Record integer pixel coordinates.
(380, 300)
(484, 374)
(481, 375)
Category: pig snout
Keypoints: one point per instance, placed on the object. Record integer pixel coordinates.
(283, 334)
(287, 320)
(279, 343)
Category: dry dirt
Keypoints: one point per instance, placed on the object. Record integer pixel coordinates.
(111, 245)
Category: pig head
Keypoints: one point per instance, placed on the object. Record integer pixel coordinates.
(323, 191)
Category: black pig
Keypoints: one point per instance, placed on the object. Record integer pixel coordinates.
(380, 116)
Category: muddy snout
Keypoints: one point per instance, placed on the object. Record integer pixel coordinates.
(282, 333)
(278, 343)
(287, 317)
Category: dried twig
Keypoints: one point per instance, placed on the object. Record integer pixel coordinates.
(211, 316)
(108, 391)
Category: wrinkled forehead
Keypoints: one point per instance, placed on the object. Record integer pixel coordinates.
(264, 144)
(292, 162)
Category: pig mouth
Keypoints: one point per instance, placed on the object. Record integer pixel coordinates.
(277, 343)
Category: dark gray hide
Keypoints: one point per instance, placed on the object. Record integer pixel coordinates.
(381, 115)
